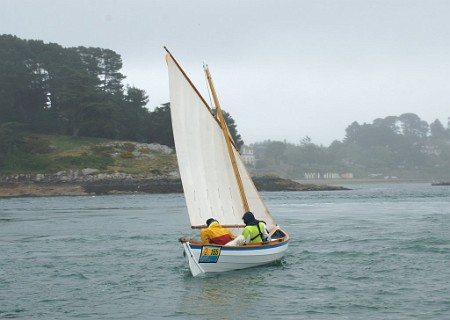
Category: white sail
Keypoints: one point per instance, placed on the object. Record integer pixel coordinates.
(209, 182)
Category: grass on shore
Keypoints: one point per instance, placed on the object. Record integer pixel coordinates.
(50, 154)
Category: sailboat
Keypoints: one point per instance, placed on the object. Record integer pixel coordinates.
(215, 181)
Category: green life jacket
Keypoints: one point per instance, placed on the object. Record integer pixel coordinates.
(259, 234)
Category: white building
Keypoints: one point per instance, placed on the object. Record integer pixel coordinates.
(248, 156)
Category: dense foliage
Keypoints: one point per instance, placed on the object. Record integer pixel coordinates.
(399, 147)
(69, 91)
(49, 89)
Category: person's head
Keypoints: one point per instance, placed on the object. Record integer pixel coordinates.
(248, 218)
(209, 221)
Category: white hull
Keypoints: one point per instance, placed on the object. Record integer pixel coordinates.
(233, 258)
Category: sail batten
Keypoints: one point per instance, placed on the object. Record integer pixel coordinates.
(204, 160)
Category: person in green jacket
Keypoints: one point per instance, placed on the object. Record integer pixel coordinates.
(255, 230)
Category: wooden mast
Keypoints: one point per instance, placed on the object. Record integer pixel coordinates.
(227, 139)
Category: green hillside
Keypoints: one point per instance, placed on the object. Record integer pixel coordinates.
(49, 154)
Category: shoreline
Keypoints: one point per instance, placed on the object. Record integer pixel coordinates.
(12, 190)
(137, 186)
(333, 182)
(33, 189)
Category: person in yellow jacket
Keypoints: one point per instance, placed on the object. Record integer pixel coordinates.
(255, 230)
(215, 233)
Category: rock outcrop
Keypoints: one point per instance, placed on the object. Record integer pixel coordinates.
(272, 183)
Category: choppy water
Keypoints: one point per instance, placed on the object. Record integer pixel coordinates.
(377, 252)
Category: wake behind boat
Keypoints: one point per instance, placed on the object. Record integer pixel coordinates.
(215, 180)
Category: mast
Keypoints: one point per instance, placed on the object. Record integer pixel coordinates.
(227, 139)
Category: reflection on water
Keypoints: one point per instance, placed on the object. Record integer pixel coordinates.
(227, 294)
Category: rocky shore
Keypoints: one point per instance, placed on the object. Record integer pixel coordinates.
(91, 182)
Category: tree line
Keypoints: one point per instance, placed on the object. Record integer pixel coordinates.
(71, 91)
(403, 146)
(49, 89)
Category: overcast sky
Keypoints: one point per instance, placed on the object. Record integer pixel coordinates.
(283, 69)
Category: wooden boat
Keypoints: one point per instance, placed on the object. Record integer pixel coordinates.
(215, 181)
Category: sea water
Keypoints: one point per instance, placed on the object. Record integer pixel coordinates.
(379, 251)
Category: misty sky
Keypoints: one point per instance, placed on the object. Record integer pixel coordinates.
(282, 69)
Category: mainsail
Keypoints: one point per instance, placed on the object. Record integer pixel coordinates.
(209, 182)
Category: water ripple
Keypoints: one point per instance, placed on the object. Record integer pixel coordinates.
(376, 252)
